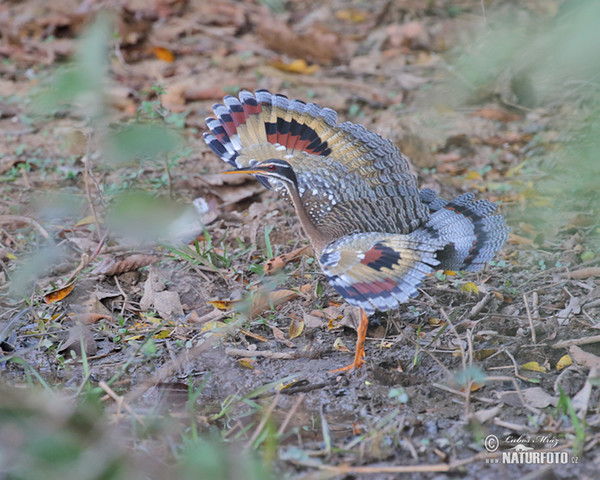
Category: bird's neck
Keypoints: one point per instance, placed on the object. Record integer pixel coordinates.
(317, 238)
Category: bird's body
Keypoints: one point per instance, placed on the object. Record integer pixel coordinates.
(375, 235)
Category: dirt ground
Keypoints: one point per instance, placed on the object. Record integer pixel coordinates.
(112, 282)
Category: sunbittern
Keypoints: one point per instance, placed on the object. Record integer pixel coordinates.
(375, 235)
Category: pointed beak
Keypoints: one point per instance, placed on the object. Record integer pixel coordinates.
(243, 170)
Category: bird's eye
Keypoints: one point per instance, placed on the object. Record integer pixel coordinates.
(271, 168)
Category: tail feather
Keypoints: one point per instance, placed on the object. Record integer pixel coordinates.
(468, 228)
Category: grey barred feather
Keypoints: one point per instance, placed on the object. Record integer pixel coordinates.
(375, 235)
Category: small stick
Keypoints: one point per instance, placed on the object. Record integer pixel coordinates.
(120, 400)
(30, 221)
(481, 304)
(535, 305)
(577, 341)
(238, 352)
(86, 181)
(263, 422)
(290, 414)
(533, 337)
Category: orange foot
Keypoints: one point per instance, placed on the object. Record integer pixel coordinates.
(359, 354)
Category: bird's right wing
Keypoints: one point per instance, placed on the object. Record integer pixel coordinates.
(340, 167)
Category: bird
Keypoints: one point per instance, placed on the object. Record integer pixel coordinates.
(375, 235)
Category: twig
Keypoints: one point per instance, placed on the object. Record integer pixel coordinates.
(481, 304)
(30, 221)
(120, 401)
(85, 259)
(238, 352)
(86, 181)
(535, 305)
(462, 394)
(577, 341)
(263, 422)
(290, 414)
(116, 277)
(533, 337)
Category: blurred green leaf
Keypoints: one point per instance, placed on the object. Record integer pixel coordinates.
(140, 141)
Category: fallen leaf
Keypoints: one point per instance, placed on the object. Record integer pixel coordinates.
(221, 304)
(249, 363)
(77, 335)
(162, 334)
(496, 114)
(564, 362)
(473, 176)
(584, 358)
(58, 294)
(585, 273)
(534, 397)
(163, 54)
(256, 336)
(277, 263)
(280, 336)
(166, 303)
(312, 321)
(263, 301)
(213, 325)
(470, 287)
(534, 367)
(338, 344)
(477, 386)
(574, 307)
(484, 353)
(352, 15)
(295, 66)
(85, 221)
(117, 266)
(296, 329)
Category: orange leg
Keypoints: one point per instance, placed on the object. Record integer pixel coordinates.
(359, 355)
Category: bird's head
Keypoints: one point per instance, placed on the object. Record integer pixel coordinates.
(273, 168)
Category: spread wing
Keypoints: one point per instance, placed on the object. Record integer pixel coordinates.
(378, 271)
(343, 170)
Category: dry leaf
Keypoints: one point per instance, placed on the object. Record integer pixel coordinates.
(352, 15)
(77, 334)
(280, 336)
(339, 345)
(295, 66)
(58, 294)
(116, 266)
(256, 336)
(162, 334)
(249, 363)
(470, 287)
(222, 304)
(213, 325)
(263, 301)
(85, 221)
(584, 358)
(296, 328)
(166, 303)
(496, 114)
(274, 264)
(163, 54)
(585, 273)
(318, 44)
(534, 367)
(312, 321)
(564, 362)
(574, 306)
